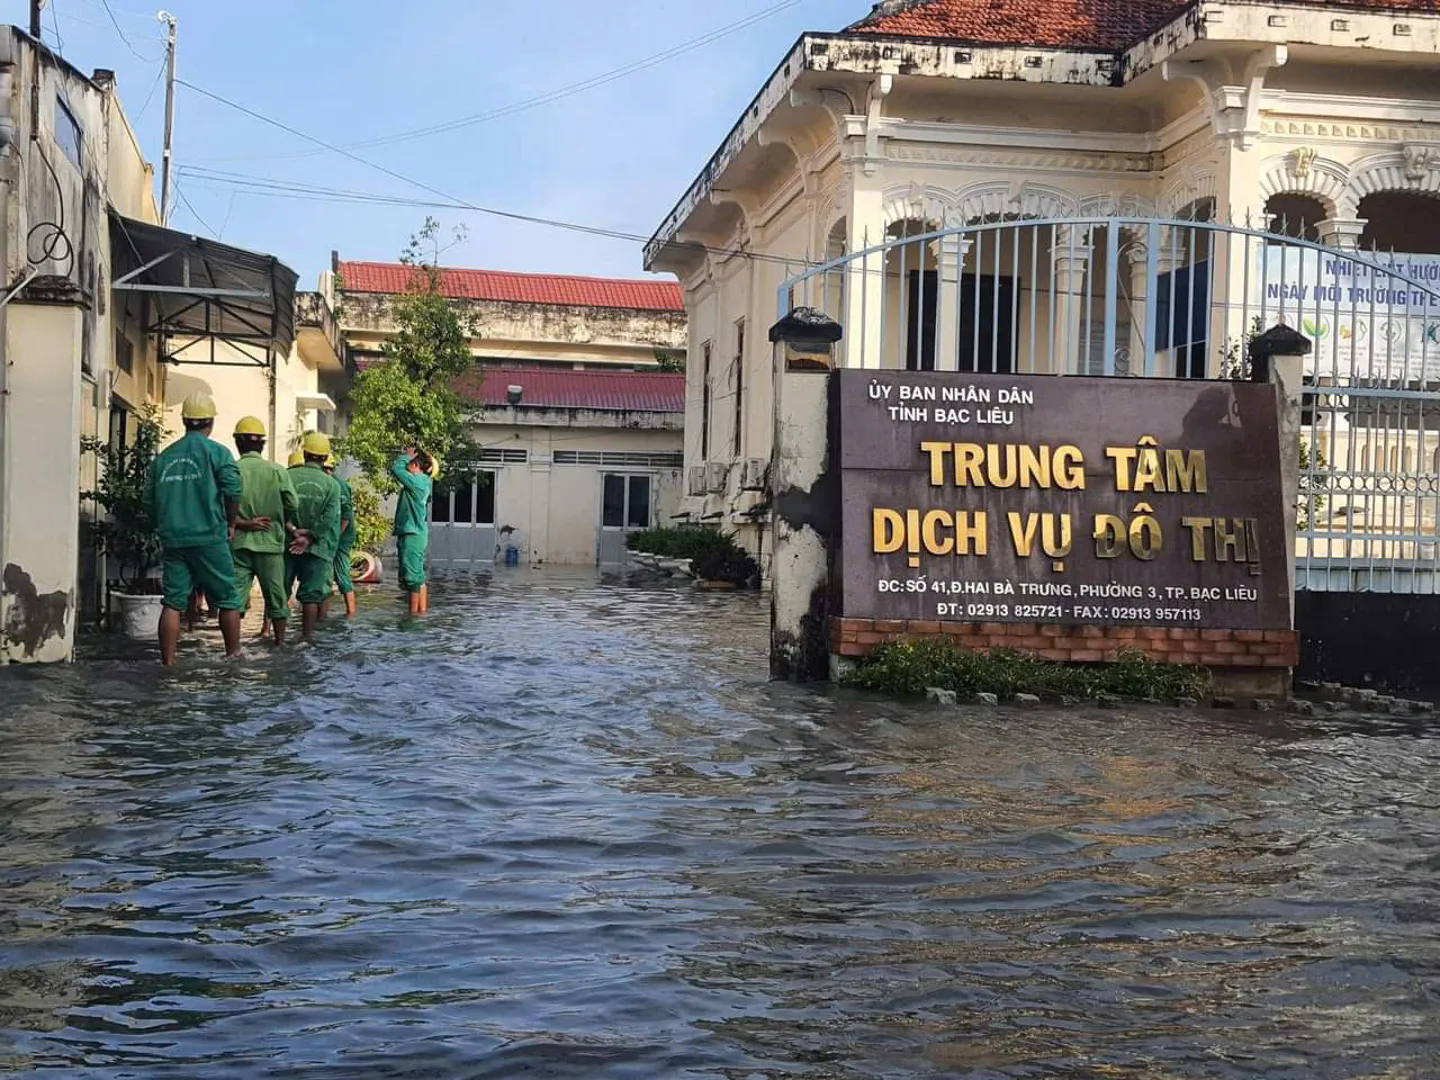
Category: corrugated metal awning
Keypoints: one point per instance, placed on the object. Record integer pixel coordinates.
(202, 291)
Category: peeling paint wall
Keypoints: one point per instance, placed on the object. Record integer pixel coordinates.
(62, 333)
(534, 331)
(42, 489)
(806, 524)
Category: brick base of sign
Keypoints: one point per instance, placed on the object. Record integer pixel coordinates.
(856, 638)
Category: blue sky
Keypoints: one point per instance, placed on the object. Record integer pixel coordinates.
(346, 71)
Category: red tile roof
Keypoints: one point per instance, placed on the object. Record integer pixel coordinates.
(1109, 25)
(559, 289)
(1112, 25)
(559, 388)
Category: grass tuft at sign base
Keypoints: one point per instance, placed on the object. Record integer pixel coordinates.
(910, 669)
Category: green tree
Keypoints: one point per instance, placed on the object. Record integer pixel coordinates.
(409, 399)
(372, 525)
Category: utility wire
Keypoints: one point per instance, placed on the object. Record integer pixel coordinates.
(123, 37)
(266, 187)
(180, 192)
(454, 203)
(159, 75)
(594, 82)
(55, 22)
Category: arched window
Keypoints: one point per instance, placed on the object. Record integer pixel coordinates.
(1295, 216)
(1401, 221)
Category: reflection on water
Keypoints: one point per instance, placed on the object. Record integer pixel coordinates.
(565, 829)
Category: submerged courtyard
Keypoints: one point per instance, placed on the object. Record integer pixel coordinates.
(566, 827)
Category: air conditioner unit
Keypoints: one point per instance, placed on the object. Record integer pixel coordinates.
(717, 473)
(695, 481)
(752, 477)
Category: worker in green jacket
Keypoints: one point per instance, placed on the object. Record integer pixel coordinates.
(194, 499)
(265, 526)
(318, 519)
(344, 583)
(296, 461)
(414, 469)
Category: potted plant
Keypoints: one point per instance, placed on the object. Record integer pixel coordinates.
(127, 533)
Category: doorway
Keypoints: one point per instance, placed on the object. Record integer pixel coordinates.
(462, 520)
(626, 506)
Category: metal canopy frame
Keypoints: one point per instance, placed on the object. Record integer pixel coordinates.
(201, 292)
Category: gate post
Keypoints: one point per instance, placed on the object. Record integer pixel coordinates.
(804, 496)
(1278, 357)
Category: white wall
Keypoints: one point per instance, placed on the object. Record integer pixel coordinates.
(244, 391)
(40, 479)
(555, 508)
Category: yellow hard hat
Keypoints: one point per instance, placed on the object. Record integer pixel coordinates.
(250, 425)
(330, 462)
(434, 466)
(297, 458)
(316, 444)
(198, 407)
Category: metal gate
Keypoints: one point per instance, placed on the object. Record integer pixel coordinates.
(626, 506)
(462, 522)
(1144, 297)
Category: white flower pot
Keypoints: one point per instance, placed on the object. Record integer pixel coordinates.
(137, 617)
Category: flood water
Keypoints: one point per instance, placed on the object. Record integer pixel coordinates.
(565, 828)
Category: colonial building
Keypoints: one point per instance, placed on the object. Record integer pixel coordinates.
(1317, 120)
(579, 425)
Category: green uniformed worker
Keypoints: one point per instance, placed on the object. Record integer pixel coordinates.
(414, 469)
(318, 518)
(264, 527)
(344, 583)
(297, 461)
(194, 498)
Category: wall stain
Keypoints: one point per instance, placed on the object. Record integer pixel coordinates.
(33, 618)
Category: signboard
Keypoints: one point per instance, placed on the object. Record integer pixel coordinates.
(1365, 323)
(1061, 500)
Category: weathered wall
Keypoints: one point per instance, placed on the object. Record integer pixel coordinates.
(50, 182)
(534, 331)
(41, 471)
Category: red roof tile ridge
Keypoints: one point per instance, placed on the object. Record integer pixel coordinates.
(525, 275)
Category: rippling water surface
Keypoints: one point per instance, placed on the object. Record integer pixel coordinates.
(565, 828)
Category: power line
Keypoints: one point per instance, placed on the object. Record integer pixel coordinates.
(159, 74)
(595, 81)
(55, 22)
(267, 187)
(123, 37)
(193, 212)
(451, 201)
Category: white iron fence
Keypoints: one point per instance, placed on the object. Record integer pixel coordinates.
(1142, 297)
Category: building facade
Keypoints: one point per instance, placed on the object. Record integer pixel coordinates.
(579, 423)
(75, 359)
(104, 313)
(1315, 120)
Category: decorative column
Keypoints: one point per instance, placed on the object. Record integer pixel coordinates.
(1070, 257)
(1343, 233)
(864, 277)
(950, 252)
(1141, 343)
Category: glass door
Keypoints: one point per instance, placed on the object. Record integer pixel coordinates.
(625, 507)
